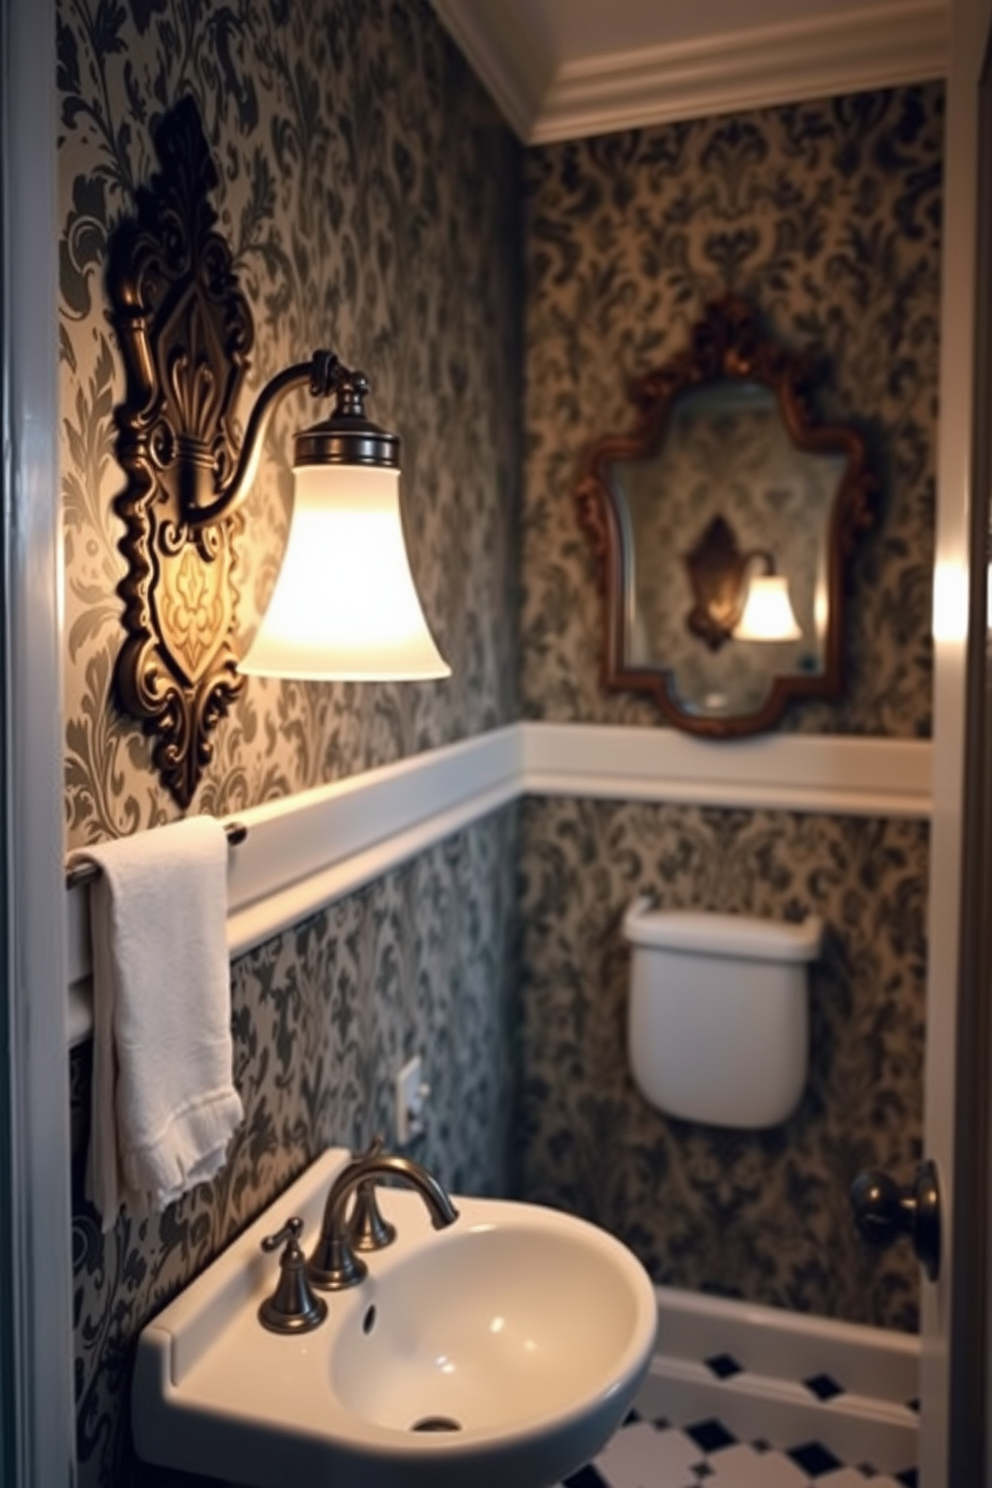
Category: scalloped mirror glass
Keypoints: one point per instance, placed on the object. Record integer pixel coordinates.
(726, 503)
(721, 522)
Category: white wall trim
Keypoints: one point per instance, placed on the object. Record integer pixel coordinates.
(310, 849)
(38, 1425)
(306, 851)
(786, 772)
(960, 563)
(813, 58)
(545, 100)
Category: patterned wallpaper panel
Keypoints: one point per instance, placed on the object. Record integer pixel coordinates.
(370, 195)
(763, 1216)
(422, 960)
(825, 216)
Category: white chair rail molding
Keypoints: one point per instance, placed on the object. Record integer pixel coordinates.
(289, 858)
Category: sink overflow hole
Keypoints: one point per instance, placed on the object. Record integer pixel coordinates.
(436, 1423)
(368, 1321)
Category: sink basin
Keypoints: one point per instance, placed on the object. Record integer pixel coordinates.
(502, 1350)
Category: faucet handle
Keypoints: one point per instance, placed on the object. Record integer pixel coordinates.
(289, 1235)
(293, 1307)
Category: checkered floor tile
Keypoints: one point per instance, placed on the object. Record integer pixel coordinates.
(652, 1454)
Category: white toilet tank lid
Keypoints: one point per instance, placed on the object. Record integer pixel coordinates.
(722, 934)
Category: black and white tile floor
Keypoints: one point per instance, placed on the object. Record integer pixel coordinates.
(654, 1454)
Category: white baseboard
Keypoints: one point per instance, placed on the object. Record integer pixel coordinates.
(870, 1418)
(306, 851)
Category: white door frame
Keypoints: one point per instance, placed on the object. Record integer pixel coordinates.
(36, 1212)
(946, 1019)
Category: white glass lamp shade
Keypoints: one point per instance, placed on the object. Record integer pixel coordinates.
(768, 613)
(344, 606)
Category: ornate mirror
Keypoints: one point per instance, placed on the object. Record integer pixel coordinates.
(722, 524)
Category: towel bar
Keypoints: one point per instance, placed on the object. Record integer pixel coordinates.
(82, 872)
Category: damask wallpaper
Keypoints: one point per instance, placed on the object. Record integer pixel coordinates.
(825, 216)
(424, 959)
(372, 199)
(370, 195)
(763, 1216)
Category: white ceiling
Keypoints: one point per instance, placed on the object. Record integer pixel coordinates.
(561, 69)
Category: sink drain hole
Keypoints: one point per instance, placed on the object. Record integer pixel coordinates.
(436, 1423)
(368, 1321)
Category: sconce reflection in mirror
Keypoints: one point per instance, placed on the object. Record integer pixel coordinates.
(344, 603)
(725, 632)
(730, 598)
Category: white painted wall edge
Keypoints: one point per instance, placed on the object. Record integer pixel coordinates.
(307, 850)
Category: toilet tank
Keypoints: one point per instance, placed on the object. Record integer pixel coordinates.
(718, 1018)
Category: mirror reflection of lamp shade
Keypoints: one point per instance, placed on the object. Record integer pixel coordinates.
(768, 614)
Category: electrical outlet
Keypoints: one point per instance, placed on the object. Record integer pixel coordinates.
(411, 1098)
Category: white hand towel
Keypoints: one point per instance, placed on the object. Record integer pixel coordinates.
(164, 1106)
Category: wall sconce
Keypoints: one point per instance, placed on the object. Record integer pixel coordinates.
(718, 573)
(344, 605)
(730, 600)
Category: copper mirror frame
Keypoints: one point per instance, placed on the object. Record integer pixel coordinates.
(726, 347)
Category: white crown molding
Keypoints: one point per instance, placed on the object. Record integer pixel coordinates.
(308, 850)
(814, 58)
(510, 65)
(879, 47)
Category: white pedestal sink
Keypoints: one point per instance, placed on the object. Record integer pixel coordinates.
(501, 1351)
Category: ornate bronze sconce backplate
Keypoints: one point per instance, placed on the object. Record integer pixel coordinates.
(185, 332)
(717, 571)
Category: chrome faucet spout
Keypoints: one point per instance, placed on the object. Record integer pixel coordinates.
(334, 1264)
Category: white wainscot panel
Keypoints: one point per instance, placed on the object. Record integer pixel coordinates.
(308, 850)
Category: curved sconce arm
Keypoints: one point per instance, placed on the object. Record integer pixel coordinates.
(325, 374)
(754, 556)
